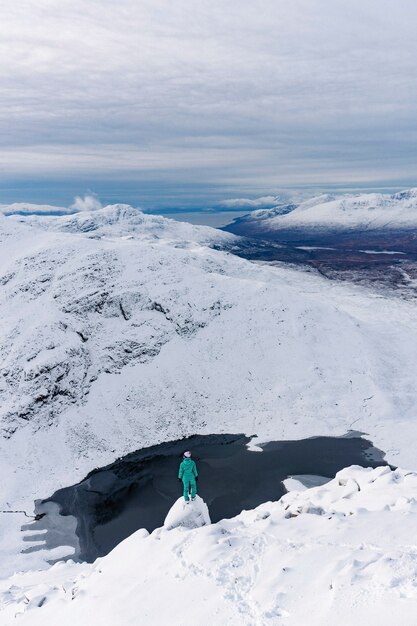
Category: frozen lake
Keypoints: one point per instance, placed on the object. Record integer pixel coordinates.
(138, 490)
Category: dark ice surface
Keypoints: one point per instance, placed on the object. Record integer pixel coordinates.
(138, 490)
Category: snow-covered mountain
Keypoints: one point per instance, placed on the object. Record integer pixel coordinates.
(122, 220)
(58, 283)
(121, 330)
(343, 553)
(367, 211)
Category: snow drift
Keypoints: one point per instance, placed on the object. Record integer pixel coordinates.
(192, 514)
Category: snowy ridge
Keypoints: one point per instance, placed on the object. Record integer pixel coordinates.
(366, 211)
(342, 553)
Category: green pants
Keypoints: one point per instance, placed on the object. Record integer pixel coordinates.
(189, 483)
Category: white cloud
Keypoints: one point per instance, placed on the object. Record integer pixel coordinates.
(25, 208)
(87, 203)
(255, 203)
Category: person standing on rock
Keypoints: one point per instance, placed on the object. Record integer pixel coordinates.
(188, 474)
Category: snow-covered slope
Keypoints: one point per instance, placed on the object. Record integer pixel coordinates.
(368, 211)
(54, 285)
(120, 330)
(344, 553)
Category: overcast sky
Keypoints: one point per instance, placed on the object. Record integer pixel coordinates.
(172, 100)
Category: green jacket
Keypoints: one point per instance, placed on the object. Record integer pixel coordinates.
(188, 469)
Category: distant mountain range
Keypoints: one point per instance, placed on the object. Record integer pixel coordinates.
(370, 213)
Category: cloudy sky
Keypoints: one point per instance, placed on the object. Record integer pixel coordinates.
(161, 102)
